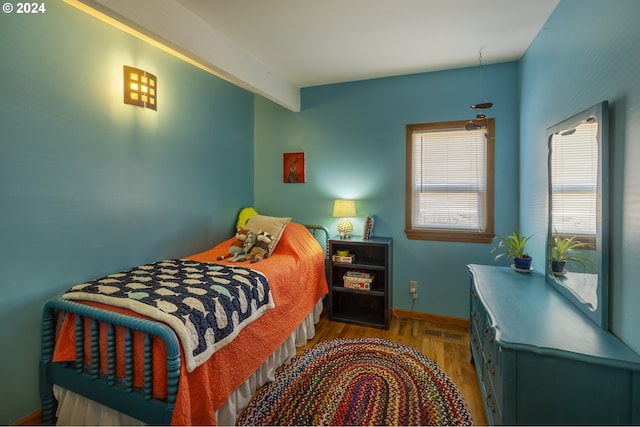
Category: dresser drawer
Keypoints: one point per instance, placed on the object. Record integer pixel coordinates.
(492, 361)
(475, 308)
(476, 350)
(475, 339)
(491, 403)
(493, 376)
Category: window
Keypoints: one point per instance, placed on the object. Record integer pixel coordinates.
(449, 182)
(574, 172)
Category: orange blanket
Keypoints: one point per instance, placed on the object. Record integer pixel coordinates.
(297, 281)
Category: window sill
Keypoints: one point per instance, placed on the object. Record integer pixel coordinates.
(450, 236)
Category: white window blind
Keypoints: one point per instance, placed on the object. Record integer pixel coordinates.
(574, 162)
(449, 179)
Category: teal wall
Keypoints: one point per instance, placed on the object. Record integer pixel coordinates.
(88, 185)
(587, 53)
(353, 137)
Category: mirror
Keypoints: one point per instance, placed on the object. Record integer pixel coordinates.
(578, 211)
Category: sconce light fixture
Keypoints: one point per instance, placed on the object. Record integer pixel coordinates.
(344, 209)
(140, 88)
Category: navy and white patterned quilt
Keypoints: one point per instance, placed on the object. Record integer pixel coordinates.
(206, 304)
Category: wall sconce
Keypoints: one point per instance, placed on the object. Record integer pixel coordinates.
(344, 209)
(140, 88)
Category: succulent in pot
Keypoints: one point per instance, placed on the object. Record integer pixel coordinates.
(513, 246)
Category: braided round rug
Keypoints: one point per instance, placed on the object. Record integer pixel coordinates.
(366, 381)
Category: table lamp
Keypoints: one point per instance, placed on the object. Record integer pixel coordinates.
(344, 209)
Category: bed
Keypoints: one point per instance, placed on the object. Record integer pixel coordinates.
(104, 363)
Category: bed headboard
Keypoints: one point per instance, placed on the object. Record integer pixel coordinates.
(313, 228)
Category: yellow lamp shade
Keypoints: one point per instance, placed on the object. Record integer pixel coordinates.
(344, 209)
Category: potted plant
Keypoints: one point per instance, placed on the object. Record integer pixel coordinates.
(513, 246)
(564, 249)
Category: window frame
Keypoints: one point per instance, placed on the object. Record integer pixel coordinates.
(451, 234)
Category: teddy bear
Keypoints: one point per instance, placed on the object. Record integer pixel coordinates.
(261, 248)
(236, 245)
(248, 244)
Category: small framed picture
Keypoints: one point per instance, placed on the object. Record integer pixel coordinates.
(293, 168)
(368, 227)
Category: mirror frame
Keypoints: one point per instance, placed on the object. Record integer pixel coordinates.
(601, 313)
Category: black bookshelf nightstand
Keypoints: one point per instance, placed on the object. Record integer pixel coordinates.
(359, 283)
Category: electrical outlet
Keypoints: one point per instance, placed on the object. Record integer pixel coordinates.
(413, 287)
(414, 295)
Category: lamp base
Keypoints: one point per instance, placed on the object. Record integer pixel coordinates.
(345, 228)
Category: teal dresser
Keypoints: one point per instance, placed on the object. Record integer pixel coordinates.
(539, 360)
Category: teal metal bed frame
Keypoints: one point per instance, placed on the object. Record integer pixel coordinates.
(88, 380)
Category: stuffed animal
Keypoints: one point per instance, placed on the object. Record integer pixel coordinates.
(244, 216)
(248, 244)
(261, 248)
(236, 245)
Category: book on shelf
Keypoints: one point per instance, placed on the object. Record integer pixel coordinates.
(358, 279)
(354, 282)
(348, 259)
(362, 283)
(358, 274)
(361, 286)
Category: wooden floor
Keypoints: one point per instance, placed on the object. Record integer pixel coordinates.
(446, 345)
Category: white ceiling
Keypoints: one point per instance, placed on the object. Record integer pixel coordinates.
(315, 42)
(276, 47)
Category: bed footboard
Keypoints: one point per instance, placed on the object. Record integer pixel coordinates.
(90, 381)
